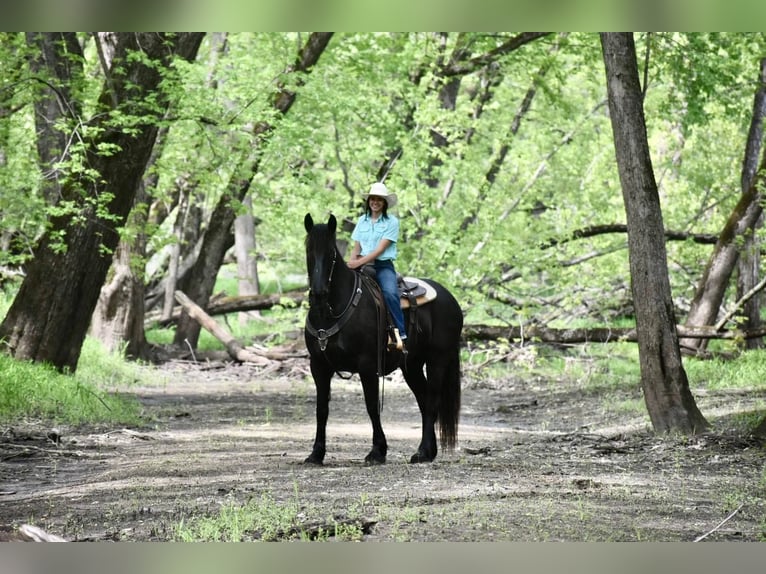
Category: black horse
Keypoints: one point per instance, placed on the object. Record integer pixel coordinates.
(342, 335)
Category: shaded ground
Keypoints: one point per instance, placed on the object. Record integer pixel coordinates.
(538, 460)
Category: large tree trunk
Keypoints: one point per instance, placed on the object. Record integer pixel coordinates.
(218, 237)
(668, 399)
(118, 319)
(50, 315)
(710, 292)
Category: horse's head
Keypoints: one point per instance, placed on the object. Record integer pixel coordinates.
(321, 257)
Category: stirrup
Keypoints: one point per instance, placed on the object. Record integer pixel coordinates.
(396, 341)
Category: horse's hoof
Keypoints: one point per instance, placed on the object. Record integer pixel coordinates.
(313, 461)
(374, 460)
(420, 457)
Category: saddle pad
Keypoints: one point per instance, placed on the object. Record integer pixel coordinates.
(422, 291)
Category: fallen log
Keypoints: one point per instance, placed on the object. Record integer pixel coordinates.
(235, 349)
(538, 333)
(234, 305)
(594, 334)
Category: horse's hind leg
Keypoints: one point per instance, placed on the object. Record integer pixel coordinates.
(377, 454)
(427, 400)
(322, 376)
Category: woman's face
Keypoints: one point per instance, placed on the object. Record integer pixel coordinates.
(376, 204)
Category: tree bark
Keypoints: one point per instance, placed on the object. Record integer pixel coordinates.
(118, 318)
(218, 236)
(49, 317)
(175, 250)
(668, 399)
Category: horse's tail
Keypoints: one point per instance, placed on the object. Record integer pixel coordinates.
(449, 402)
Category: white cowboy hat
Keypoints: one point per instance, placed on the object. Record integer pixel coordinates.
(380, 190)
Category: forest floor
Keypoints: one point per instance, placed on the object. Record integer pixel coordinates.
(538, 460)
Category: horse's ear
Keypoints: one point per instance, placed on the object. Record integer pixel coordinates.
(332, 224)
(308, 223)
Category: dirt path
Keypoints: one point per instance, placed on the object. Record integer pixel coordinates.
(537, 461)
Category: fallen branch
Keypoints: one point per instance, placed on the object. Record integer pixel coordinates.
(235, 349)
(28, 450)
(718, 526)
(30, 533)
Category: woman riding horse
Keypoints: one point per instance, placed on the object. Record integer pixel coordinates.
(341, 336)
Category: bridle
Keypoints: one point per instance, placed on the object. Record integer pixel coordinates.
(322, 335)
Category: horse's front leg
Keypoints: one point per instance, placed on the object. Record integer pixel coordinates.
(379, 446)
(322, 376)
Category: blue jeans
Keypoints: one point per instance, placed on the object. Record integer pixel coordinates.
(386, 276)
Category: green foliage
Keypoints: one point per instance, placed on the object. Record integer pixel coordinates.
(706, 68)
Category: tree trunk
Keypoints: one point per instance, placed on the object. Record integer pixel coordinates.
(760, 429)
(50, 315)
(668, 399)
(712, 286)
(118, 320)
(749, 265)
(218, 235)
(175, 250)
(58, 62)
(244, 247)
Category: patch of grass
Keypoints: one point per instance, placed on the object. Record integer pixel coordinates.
(265, 519)
(37, 391)
(625, 406)
(747, 370)
(108, 370)
(744, 421)
(32, 390)
(261, 518)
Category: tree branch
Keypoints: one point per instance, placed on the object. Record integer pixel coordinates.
(593, 230)
(470, 66)
(738, 305)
